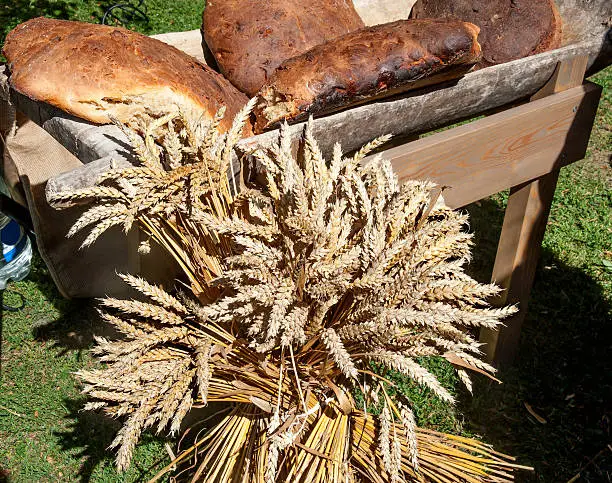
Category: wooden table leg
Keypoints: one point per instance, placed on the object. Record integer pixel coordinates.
(517, 259)
(522, 233)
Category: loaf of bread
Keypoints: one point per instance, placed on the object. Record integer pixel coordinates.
(373, 62)
(250, 38)
(509, 29)
(93, 71)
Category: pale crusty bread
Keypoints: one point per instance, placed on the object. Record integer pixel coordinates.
(93, 71)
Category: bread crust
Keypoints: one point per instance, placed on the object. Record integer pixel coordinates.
(250, 38)
(372, 62)
(509, 29)
(92, 71)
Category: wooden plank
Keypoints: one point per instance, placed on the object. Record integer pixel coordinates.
(568, 74)
(516, 261)
(79, 178)
(375, 12)
(525, 223)
(503, 150)
(475, 160)
(189, 42)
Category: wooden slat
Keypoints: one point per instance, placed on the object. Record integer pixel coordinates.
(374, 12)
(189, 42)
(525, 223)
(568, 74)
(517, 260)
(506, 149)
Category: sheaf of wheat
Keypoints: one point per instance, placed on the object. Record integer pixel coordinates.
(303, 291)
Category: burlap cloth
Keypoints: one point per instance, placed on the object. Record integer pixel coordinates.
(30, 158)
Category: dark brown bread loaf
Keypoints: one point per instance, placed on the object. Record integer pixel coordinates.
(372, 62)
(250, 38)
(92, 71)
(509, 29)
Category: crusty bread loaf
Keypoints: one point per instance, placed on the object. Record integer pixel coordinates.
(92, 71)
(250, 38)
(372, 62)
(509, 29)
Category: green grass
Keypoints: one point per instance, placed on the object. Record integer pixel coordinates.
(163, 15)
(43, 435)
(564, 368)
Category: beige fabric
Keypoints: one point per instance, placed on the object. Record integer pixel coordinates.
(30, 157)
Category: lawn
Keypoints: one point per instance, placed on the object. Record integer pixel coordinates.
(163, 15)
(563, 372)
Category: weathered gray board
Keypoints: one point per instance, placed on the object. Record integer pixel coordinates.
(474, 94)
(374, 12)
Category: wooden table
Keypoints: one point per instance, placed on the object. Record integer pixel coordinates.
(520, 147)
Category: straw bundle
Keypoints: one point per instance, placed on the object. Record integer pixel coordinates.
(298, 289)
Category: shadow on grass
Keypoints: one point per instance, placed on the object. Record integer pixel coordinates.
(88, 437)
(78, 321)
(88, 434)
(563, 371)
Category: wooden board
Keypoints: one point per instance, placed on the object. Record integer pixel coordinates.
(189, 42)
(375, 12)
(506, 149)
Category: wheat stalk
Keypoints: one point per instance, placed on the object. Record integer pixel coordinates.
(297, 287)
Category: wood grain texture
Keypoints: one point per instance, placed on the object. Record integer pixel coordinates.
(78, 178)
(375, 12)
(503, 150)
(567, 74)
(189, 42)
(517, 260)
(525, 223)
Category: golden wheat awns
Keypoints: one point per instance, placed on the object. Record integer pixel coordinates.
(297, 286)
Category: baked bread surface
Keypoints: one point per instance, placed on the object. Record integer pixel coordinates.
(92, 71)
(250, 38)
(372, 62)
(509, 29)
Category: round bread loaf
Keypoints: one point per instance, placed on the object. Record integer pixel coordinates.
(509, 29)
(250, 38)
(93, 71)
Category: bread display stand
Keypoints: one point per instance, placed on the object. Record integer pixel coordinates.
(538, 110)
